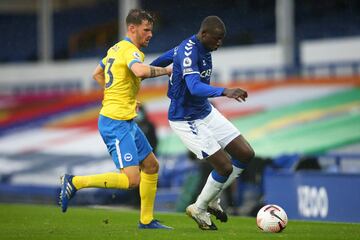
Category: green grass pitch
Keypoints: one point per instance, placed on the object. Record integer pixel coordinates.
(47, 222)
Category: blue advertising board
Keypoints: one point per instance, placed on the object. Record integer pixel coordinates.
(315, 195)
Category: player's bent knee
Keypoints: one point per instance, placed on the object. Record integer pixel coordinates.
(151, 168)
(150, 165)
(246, 155)
(154, 168)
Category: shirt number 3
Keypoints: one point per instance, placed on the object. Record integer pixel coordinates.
(111, 77)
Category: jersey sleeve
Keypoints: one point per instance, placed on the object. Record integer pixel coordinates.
(165, 59)
(198, 88)
(102, 63)
(133, 56)
(188, 57)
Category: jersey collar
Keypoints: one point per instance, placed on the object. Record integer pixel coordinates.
(128, 39)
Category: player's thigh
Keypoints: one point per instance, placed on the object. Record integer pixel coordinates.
(221, 128)
(196, 137)
(229, 137)
(125, 153)
(142, 143)
(147, 159)
(119, 138)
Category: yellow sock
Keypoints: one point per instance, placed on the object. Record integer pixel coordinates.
(105, 180)
(148, 187)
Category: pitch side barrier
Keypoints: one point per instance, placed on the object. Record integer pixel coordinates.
(349, 68)
(315, 192)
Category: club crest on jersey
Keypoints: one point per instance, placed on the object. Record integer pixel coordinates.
(187, 62)
(136, 55)
(128, 157)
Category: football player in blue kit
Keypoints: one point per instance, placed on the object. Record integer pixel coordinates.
(204, 130)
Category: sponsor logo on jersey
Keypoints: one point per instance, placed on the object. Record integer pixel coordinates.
(187, 62)
(206, 73)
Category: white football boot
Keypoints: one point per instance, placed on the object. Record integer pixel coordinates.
(202, 218)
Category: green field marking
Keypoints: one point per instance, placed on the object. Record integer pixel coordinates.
(48, 222)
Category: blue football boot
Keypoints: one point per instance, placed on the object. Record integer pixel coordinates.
(154, 224)
(67, 192)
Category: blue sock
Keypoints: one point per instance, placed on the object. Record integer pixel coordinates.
(217, 177)
(238, 164)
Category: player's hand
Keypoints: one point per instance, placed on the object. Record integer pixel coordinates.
(138, 105)
(236, 93)
(168, 70)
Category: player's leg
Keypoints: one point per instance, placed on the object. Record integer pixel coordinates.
(126, 161)
(216, 180)
(70, 184)
(230, 139)
(122, 148)
(213, 186)
(124, 153)
(149, 167)
(240, 149)
(200, 141)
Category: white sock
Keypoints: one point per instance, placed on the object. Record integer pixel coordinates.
(235, 173)
(209, 191)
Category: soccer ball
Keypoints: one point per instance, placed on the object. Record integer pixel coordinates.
(271, 218)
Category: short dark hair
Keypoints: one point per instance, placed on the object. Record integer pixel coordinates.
(136, 16)
(212, 23)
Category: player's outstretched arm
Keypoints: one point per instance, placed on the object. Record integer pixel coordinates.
(146, 71)
(99, 76)
(236, 93)
(164, 60)
(198, 88)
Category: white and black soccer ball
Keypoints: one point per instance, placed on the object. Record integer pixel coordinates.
(271, 218)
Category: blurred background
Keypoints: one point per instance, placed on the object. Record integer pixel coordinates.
(298, 60)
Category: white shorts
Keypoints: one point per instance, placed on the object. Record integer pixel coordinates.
(206, 136)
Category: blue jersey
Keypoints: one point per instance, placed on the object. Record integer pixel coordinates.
(189, 85)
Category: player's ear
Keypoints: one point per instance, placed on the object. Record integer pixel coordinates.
(203, 34)
(131, 28)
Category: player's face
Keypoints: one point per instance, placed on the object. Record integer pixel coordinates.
(144, 33)
(213, 40)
